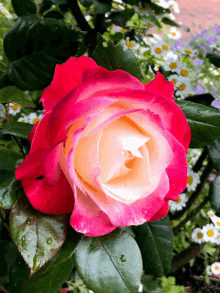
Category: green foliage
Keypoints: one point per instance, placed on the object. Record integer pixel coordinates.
(171, 22)
(169, 286)
(10, 191)
(157, 254)
(104, 263)
(11, 94)
(214, 152)
(204, 99)
(24, 7)
(214, 59)
(20, 129)
(37, 236)
(214, 192)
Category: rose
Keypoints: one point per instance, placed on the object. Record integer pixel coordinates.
(108, 149)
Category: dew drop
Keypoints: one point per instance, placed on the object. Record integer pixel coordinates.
(123, 259)
(1, 204)
(23, 242)
(49, 240)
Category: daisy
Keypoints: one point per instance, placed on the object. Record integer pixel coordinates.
(210, 233)
(184, 71)
(34, 118)
(149, 24)
(215, 267)
(216, 221)
(174, 78)
(192, 179)
(174, 6)
(157, 50)
(198, 235)
(143, 10)
(188, 50)
(174, 34)
(119, 29)
(211, 214)
(183, 86)
(179, 204)
(209, 271)
(5, 12)
(129, 44)
(23, 119)
(171, 55)
(173, 65)
(14, 108)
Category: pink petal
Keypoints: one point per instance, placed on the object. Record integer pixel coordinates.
(51, 199)
(31, 135)
(161, 86)
(67, 76)
(161, 213)
(88, 218)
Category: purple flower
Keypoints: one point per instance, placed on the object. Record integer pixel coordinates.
(215, 89)
(203, 33)
(198, 62)
(199, 90)
(217, 30)
(177, 44)
(216, 104)
(211, 39)
(204, 49)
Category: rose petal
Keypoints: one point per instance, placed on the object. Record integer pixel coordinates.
(88, 218)
(67, 76)
(161, 213)
(161, 86)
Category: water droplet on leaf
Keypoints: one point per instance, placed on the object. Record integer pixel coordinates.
(123, 259)
(49, 240)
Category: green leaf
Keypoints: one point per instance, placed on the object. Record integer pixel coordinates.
(110, 263)
(114, 57)
(204, 99)
(214, 59)
(24, 7)
(150, 284)
(50, 277)
(45, 5)
(36, 46)
(214, 153)
(10, 191)
(11, 94)
(8, 159)
(203, 121)
(155, 240)
(8, 255)
(118, 18)
(1, 223)
(86, 3)
(20, 129)
(102, 6)
(37, 236)
(53, 14)
(59, 2)
(2, 112)
(214, 192)
(171, 22)
(4, 81)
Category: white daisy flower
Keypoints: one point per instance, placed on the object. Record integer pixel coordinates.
(179, 204)
(129, 44)
(158, 51)
(188, 50)
(198, 235)
(14, 108)
(185, 71)
(143, 10)
(215, 267)
(174, 78)
(183, 86)
(192, 179)
(210, 233)
(140, 289)
(173, 65)
(149, 24)
(211, 214)
(164, 3)
(209, 271)
(171, 55)
(5, 12)
(154, 40)
(119, 29)
(34, 118)
(175, 6)
(216, 221)
(23, 119)
(88, 17)
(174, 34)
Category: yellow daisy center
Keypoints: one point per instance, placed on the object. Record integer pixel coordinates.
(158, 50)
(184, 72)
(182, 87)
(23, 120)
(173, 65)
(142, 9)
(199, 235)
(165, 47)
(216, 268)
(150, 25)
(15, 107)
(173, 34)
(123, 30)
(188, 51)
(179, 200)
(218, 224)
(174, 80)
(35, 120)
(5, 13)
(190, 179)
(210, 233)
(129, 44)
(211, 215)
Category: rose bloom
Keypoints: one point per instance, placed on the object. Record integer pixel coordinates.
(108, 149)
